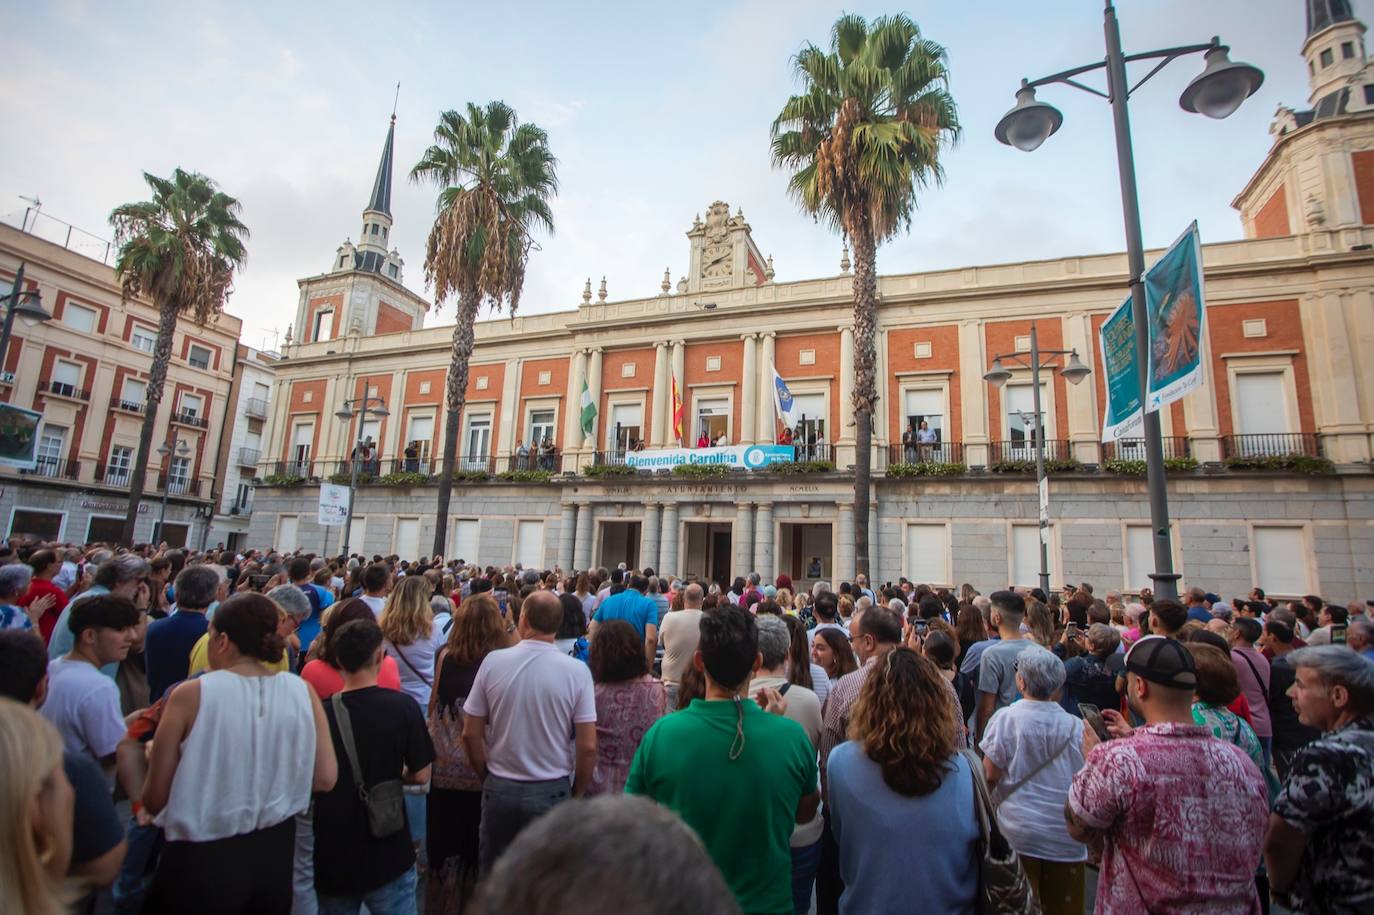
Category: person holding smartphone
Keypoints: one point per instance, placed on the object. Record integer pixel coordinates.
(1091, 677)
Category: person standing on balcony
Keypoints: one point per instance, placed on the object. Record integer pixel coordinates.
(926, 439)
(522, 455)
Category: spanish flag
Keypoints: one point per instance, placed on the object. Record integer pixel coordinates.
(677, 411)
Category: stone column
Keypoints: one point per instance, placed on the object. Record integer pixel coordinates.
(842, 438)
(844, 545)
(748, 432)
(594, 382)
(1335, 388)
(572, 411)
(763, 541)
(679, 370)
(659, 397)
(567, 524)
(766, 418)
(582, 548)
(1200, 413)
(648, 537)
(743, 538)
(668, 560)
(1359, 315)
(1084, 433)
(509, 428)
(881, 411)
(973, 394)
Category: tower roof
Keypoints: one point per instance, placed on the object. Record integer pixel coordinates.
(1324, 13)
(380, 201)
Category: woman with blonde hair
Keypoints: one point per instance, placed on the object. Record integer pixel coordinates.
(1041, 623)
(35, 814)
(784, 599)
(901, 794)
(409, 635)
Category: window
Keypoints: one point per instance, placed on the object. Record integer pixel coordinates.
(1261, 406)
(623, 431)
(713, 418)
(343, 261)
(79, 317)
(32, 522)
(1018, 402)
(261, 391)
(1279, 555)
(287, 532)
(810, 412)
(392, 271)
(1347, 50)
(1369, 94)
(407, 537)
(1327, 58)
(179, 474)
(371, 430)
(529, 544)
(324, 320)
(1140, 556)
(421, 435)
(243, 497)
(541, 426)
(301, 440)
(51, 445)
(477, 442)
(104, 529)
(192, 404)
(927, 553)
(66, 378)
(175, 534)
(133, 394)
(1025, 555)
(465, 539)
(117, 469)
(198, 357)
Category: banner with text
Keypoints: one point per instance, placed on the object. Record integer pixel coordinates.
(738, 457)
(1175, 310)
(333, 505)
(1121, 377)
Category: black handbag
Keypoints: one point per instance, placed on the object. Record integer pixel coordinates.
(384, 801)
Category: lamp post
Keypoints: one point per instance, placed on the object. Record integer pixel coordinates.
(360, 407)
(165, 450)
(26, 305)
(1217, 92)
(1074, 372)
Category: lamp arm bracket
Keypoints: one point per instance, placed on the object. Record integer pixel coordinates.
(1164, 55)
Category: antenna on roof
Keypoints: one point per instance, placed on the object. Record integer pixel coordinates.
(396, 101)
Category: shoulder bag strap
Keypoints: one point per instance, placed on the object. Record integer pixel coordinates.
(350, 748)
(1254, 670)
(407, 663)
(982, 805)
(1038, 769)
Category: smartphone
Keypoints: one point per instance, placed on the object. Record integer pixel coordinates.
(257, 582)
(1093, 716)
(920, 623)
(1338, 633)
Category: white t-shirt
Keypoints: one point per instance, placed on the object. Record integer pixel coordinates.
(531, 695)
(83, 704)
(1018, 739)
(418, 655)
(681, 634)
(376, 603)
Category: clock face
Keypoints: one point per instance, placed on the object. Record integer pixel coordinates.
(715, 261)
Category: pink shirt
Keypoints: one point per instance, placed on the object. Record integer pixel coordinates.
(1184, 816)
(1252, 670)
(328, 681)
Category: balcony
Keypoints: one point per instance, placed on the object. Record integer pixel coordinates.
(128, 406)
(290, 471)
(62, 389)
(1008, 454)
(535, 460)
(929, 453)
(178, 486)
(249, 457)
(190, 418)
(1274, 444)
(113, 475)
(241, 508)
(55, 469)
(255, 407)
(1133, 449)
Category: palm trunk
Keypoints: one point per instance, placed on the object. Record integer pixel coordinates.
(157, 378)
(865, 387)
(457, 386)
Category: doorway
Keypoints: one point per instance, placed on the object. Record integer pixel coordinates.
(805, 552)
(709, 552)
(619, 542)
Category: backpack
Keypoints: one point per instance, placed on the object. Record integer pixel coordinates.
(581, 650)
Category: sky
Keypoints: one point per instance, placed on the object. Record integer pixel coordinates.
(653, 111)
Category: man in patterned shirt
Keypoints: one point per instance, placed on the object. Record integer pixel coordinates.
(1321, 833)
(1171, 841)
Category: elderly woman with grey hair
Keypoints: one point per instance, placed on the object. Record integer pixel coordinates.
(1031, 750)
(122, 576)
(14, 584)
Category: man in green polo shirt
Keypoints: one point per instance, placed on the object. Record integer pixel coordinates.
(739, 776)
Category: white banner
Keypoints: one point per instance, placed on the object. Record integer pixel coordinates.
(333, 505)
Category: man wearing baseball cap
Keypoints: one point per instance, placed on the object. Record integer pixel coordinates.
(1178, 815)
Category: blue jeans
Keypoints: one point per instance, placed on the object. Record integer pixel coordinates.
(132, 882)
(509, 806)
(805, 860)
(394, 898)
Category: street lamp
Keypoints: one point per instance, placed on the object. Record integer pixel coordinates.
(165, 450)
(25, 305)
(1216, 92)
(1074, 372)
(358, 406)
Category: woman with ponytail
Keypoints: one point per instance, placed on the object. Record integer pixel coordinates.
(236, 756)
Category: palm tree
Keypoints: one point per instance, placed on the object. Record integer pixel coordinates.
(180, 251)
(496, 177)
(863, 136)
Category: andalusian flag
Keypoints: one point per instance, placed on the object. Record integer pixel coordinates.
(588, 409)
(677, 412)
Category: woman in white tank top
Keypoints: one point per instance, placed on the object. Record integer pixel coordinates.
(236, 755)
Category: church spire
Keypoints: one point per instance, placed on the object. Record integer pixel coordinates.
(380, 201)
(1322, 14)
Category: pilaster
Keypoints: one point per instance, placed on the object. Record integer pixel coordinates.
(1084, 434)
(659, 396)
(590, 443)
(749, 397)
(679, 368)
(766, 425)
(1200, 411)
(973, 395)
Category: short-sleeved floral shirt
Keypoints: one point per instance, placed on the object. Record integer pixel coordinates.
(1183, 815)
(1329, 795)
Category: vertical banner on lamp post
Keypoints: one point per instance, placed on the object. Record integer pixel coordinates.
(1122, 417)
(1175, 309)
(333, 505)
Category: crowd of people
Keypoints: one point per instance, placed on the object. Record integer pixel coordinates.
(265, 732)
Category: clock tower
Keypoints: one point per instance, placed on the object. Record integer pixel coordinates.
(724, 255)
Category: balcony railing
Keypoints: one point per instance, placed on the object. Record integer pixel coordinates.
(128, 406)
(1024, 450)
(927, 453)
(249, 457)
(535, 460)
(241, 508)
(1133, 449)
(113, 475)
(177, 486)
(55, 469)
(62, 389)
(255, 407)
(192, 419)
(1274, 444)
(305, 470)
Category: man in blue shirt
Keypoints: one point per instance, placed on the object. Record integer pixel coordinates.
(299, 573)
(635, 607)
(168, 644)
(1198, 607)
